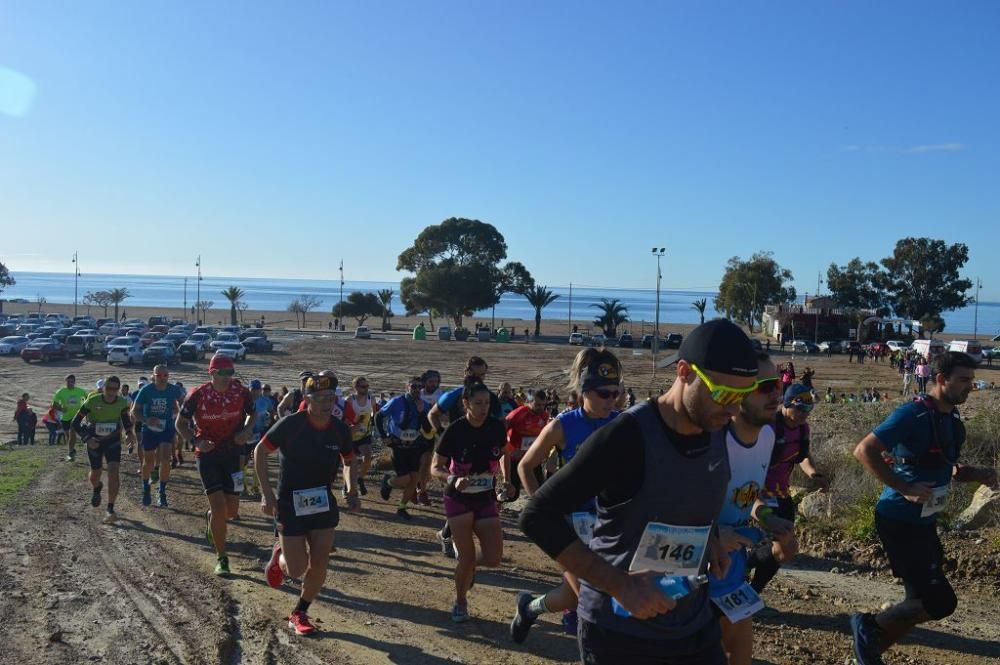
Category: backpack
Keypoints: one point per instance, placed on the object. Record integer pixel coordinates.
(934, 457)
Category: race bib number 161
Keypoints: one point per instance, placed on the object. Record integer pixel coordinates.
(671, 550)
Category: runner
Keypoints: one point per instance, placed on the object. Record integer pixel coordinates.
(791, 447)
(659, 473)
(466, 460)
(524, 424)
(593, 374)
(749, 442)
(154, 408)
(430, 394)
(924, 438)
(107, 418)
(308, 443)
(67, 402)
(263, 418)
(359, 414)
(180, 444)
(400, 424)
(292, 402)
(222, 414)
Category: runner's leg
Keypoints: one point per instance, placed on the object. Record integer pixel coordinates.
(320, 544)
(218, 502)
(737, 639)
(465, 564)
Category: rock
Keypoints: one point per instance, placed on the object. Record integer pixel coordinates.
(814, 505)
(56, 635)
(984, 511)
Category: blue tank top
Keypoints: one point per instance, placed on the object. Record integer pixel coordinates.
(577, 427)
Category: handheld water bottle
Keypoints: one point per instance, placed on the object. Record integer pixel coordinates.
(736, 575)
(672, 586)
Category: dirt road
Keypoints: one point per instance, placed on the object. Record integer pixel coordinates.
(73, 590)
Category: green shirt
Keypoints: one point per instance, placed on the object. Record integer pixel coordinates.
(106, 418)
(69, 401)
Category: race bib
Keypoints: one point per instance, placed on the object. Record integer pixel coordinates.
(238, 482)
(311, 501)
(671, 550)
(408, 435)
(105, 429)
(936, 503)
(740, 604)
(583, 524)
(478, 482)
(527, 441)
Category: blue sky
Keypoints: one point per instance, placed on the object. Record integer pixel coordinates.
(276, 138)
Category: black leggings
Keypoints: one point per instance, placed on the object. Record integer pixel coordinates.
(761, 559)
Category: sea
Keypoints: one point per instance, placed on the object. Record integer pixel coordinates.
(275, 293)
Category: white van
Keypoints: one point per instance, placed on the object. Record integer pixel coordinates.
(928, 348)
(970, 347)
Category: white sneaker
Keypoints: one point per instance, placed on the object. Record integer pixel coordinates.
(110, 518)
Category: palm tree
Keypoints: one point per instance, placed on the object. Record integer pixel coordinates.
(117, 296)
(539, 297)
(700, 305)
(613, 314)
(385, 297)
(234, 295)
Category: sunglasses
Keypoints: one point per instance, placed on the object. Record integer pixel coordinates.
(161, 376)
(804, 407)
(225, 372)
(607, 394)
(767, 386)
(721, 394)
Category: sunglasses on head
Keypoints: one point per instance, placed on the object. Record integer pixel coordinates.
(225, 371)
(607, 394)
(721, 394)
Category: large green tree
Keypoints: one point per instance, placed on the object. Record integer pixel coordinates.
(922, 279)
(539, 297)
(234, 295)
(858, 285)
(457, 269)
(513, 277)
(417, 302)
(6, 279)
(747, 286)
(613, 313)
(359, 305)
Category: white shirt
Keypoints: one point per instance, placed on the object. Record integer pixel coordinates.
(748, 466)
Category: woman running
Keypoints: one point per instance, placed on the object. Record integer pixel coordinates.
(596, 377)
(310, 445)
(466, 460)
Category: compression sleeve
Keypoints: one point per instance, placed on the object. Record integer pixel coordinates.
(609, 465)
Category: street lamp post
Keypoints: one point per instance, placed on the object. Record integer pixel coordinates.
(76, 280)
(658, 253)
(341, 317)
(975, 320)
(197, 302)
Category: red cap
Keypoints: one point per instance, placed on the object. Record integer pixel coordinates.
(220, 362)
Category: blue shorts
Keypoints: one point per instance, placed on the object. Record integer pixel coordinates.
(152, 440)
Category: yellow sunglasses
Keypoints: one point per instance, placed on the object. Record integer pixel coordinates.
(723, 395)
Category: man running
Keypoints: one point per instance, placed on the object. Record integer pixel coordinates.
(749, 443)
(400, 424)
(524, 424)
(291, 402)
(263, 418)
(107, 418)
(66, 403)
(359, 414)
(154, 408)
(430, 394)
(924, 439)
(659, 472)
(221, 412)
(791, 448)
(310, 446)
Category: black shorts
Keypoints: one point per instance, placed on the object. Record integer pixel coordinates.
(67, 425)
(356, 445)
(106, 450)
(406, 460)
(599, 646)
(914, 551)
(290, 524)
(217, 469)
(425, 445)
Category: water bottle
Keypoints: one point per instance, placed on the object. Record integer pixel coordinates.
(672, 586)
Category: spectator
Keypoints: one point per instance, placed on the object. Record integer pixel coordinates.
(52, 425)
(20, 407)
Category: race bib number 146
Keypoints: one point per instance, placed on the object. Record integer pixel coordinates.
(671, 550)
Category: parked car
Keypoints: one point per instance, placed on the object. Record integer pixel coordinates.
(164, 329)
(362, 332)
(88, 321)
(804, 346)
(192, 349)
(201, 338)
(148, 338)
(970, 347)
(47, 330)
(600, 339)
(227, 336)
(174, 338)
(135, 323)
(12, 345)
(673, 341)
(234, 350)
(160, 352)
(27, 327)
(929, 348)
(58, 320)
(126, 350)
(625, 341)
(157, 321)
(258, 345)
(576, 339)
(252, 332)
(831, 346)
(83, 344)
(208, 330)
(44, 350)
(897, 345)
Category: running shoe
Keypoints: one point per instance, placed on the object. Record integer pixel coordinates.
(173, 462)
(131, 449)
(864, 630)
(161, 500)
(343, 491)
(569, 621)
(386, 490)
(180, 459)
(299, 622)
(275, 577)
(95, 499)
(71, 456)
(460, 613)
(110, 517)
(222, 565)
(147, 496)
(353, 504)
(208, 528)
(402, 512)
(523, 618)
(361, 487)
(423, 498)
(447, 545)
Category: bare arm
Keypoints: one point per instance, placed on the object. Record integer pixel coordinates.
(267, 499)
(437, 418)
(550, 437)
(810, 470)
(869, 452)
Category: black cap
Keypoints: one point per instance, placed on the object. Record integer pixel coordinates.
(717, 346)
